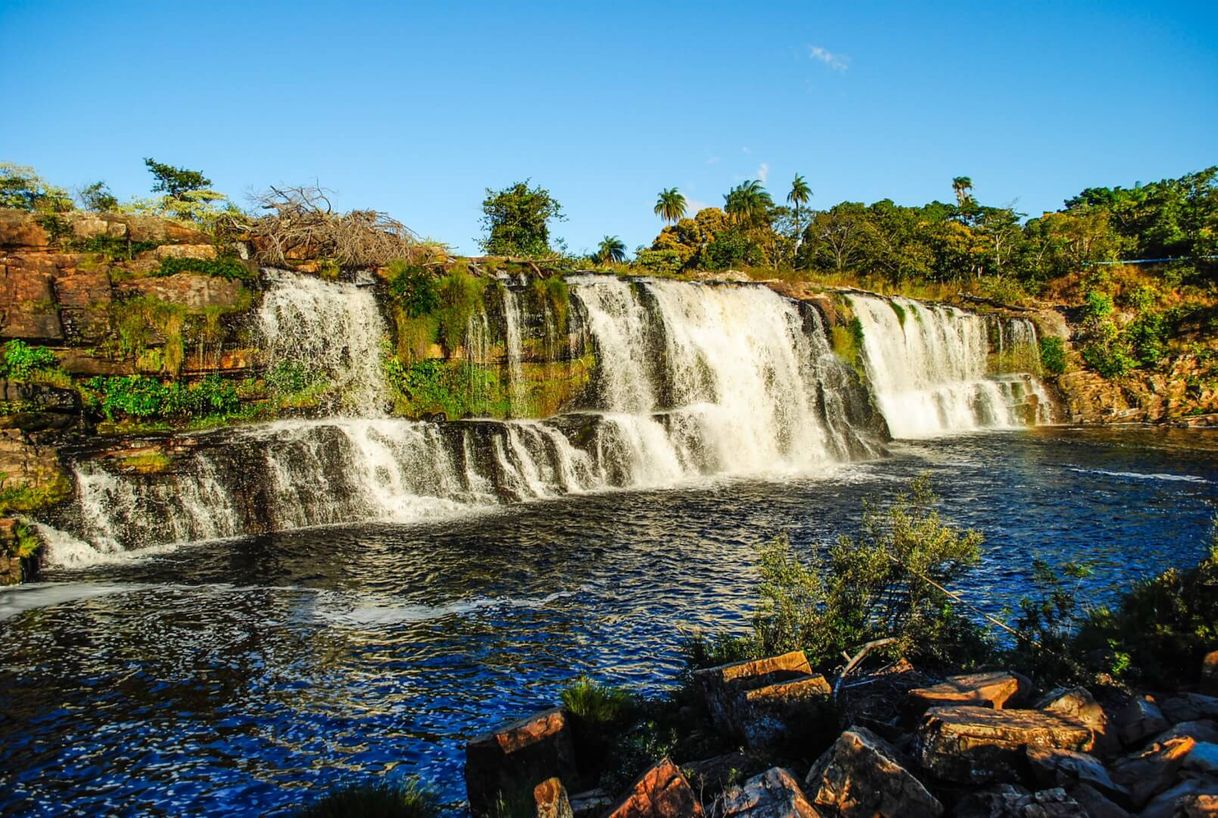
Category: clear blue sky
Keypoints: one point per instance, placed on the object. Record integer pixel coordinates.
(416, 108)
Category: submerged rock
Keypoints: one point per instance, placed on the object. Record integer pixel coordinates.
(992, 690)
(767, 701)
(772, 794)
(859, 776)
(661, 792)
(510, 762)
(970, 745)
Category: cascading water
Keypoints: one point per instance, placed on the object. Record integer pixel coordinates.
(691, 380)
(327, 329)
(928, 364)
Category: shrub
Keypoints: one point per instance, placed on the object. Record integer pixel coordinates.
(659, 262)
(1047, 624)
(19, 360)
(1053, 355)
(376, 801)
(413, 287)
(1111, 359)
(229, 267)
(139, 396)
(597, 713)
(460, 296)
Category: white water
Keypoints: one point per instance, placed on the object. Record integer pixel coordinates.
(330, 328)
(928, 370)
(512, 321)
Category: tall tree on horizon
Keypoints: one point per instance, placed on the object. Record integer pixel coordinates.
(611, 250)
(963, 188)
(747, 202)
(670, 206)
(800, 195)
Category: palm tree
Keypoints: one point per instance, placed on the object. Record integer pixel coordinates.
(963, 186)
(800, 194)
(670, 206)
(747, 202)
(611, 250)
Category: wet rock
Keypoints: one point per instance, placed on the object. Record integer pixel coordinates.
(772, 794)
(1078, 704)
(970, 745)
(1191, 797)
(661, 792)
(1095, 803)
(767, 701)
(1053, 767)
(1153, 770)
(1138, 720)
(550, 798)
(860, 776)
(511, 761)
(1189, 707)
(993, 690)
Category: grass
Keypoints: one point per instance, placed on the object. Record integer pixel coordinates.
(378, 800)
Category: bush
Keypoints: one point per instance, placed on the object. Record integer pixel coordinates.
(138, 396)
(228, 267)
(19, 360)
(1053, 355)
(659, 262)
(414, 288)
(376, 801)
(1047, 624)
(1111, 358)
(597, 714)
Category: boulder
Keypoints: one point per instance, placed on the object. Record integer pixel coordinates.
(1138, 720)
(1203, 759)
(993, 690)
(971, 745)
(719, 772)
(1203, 730)
(199, 251)
(768, 701)
(1078, 704)
(1095, 803)
(661, 792)
(590, 804)
(1191, 797)
(1153, 770)
(1189, 707)
(511, 761)
(1006, 801)
(772, 794)
(1054, 767)
(27, 302)
(550, 798)
(20, 230)
(860, 776)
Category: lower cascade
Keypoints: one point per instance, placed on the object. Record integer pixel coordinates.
(691, 380)
(932, 368)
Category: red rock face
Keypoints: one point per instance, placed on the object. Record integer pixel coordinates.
(991, 690)
(509, 763)
(662, 792)
(860, 777)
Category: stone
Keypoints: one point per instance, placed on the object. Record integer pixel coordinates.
(88, 226)
(27, 302)
(1203, 758)
(1006, 801)
(992, 690)
(590, 804)
(1054, 767)
(550, 798)
(768, 701)
(512, 760)
(1138, 720)
(661, 792)
(191, 290)
(1209, 671)
(719, 772)
(1201, 731)
(1095, 803)
(20, 230)
(84, 297)
(860, 776)
(1078, 704)
(772, 794)
(1189, 707)
(971, 745)
(1153, 770)
(1190, 797)
(199, 251)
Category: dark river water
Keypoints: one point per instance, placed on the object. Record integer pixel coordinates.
(247, 677)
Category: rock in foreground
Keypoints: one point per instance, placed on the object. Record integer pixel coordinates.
(859, 776)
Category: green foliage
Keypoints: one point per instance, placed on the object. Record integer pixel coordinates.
(732, 248)
(376, 801)
(611, 250)
(19, 361)
(635, 751)
(138, 396)
(98, 198)
(460, 296)
(517, 220)
(1047, 624)
(1053, 355)
(553, 293)
(413, 288)
(22, 188)
(290, 377)
(899, 310)
(597, 714)
(670, 205)
(455, 389)
(113, 247)
(175, 182)
(659, 262)
(885, 583)
(848, 341)
(229, 267)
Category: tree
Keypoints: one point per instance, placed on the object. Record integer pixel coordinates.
(176, 182)
(611, 250)
(23, 189)
(516, 220)
(800, 195)
(748, 202)
(963, 188)
(670, 206)
(98, 198)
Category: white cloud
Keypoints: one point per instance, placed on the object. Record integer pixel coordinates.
(838, 62)
(692, 206)
(763, 172)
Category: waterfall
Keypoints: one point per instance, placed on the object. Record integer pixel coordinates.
(330, 329)
(928, 367)
(691, 381)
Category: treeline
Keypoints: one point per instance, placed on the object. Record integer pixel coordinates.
(1173, 220)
